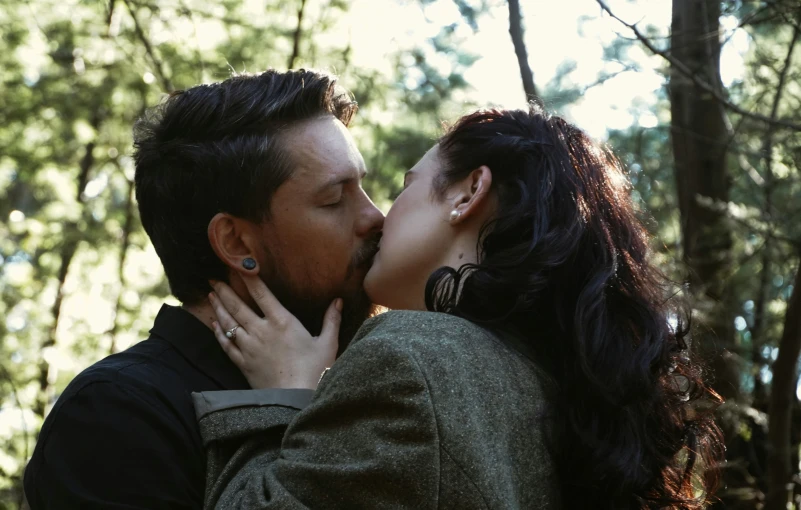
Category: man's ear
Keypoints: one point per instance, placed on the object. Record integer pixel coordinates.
(234, 242)
(470, 197)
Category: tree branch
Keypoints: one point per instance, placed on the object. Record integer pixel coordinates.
(157, 64)
(779, 474)
(125, 244)
(697, 80)
(516, 31)
(297, 36)
(770, 183)
(66, 256)
(781, 402)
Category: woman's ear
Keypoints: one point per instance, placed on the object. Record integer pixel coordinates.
(470, 197)
(233, 241)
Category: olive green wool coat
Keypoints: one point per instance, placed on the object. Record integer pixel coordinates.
(422, 411)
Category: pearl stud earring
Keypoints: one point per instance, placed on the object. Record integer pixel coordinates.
(455, 215)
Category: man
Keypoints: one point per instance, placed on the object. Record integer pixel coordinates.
(256, 174)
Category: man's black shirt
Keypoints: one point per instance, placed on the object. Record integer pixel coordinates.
(123, 434)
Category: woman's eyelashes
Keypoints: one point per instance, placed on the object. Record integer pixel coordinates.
(406, 184)
(398, 194)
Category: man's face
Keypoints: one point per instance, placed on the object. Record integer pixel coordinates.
(323, 229)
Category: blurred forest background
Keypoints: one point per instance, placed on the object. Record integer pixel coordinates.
(701, 99)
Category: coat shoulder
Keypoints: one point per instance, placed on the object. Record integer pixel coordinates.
(445, 344)
(419, 330)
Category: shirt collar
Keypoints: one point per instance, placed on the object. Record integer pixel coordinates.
(197, 344)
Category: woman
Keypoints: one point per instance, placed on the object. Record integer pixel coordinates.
(549, 375)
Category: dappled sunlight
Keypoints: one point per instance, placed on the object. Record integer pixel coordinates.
(714, 167)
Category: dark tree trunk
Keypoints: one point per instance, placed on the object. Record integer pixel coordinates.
(125, 244)
(782, 394)
(517, 33)
(784, 368)
(759, 327)
(763, 296)
(158, 65)
(296, 38)
(699, 135)
(67, 254)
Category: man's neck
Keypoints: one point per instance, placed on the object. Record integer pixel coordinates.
(203, 312)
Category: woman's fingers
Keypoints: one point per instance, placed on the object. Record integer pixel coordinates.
(223, 317)
(275, 351)
(228, 346)
(234, 306)
(263, 296)
(330, 332)
(225, 323)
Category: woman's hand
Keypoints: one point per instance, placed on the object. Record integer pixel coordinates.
(275, 351)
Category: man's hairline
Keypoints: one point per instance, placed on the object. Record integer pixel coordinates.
(284, 149)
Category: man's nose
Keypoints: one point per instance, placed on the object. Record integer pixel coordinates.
(370, 219)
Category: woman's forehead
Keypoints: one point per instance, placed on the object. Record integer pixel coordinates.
(430, 162)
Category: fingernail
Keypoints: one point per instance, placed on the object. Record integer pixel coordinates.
(338, 305)
(214, 324)
(211, 296)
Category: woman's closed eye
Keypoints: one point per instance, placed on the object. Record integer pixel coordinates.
(397, 194)
(406, 184)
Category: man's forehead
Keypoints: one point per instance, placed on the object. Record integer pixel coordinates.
(323, 150)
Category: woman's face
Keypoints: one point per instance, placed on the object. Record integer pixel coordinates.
(416, 240)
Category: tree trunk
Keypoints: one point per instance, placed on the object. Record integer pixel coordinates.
(124, 245)
(785, 379)
(517, 33)
(699, 135)
(297, 36)
(770, 183)
(67, 254)
(782, 394)
(760, 312)
(158, 65)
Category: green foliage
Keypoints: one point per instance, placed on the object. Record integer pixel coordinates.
(763, 213)
(78, 276)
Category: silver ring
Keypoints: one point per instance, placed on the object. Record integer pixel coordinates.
(231, 333)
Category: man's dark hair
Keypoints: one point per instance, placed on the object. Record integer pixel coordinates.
(218, 148)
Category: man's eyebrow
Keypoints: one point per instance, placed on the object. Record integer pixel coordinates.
(338, 180)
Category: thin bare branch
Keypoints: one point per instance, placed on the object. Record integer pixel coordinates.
(125, 244)
(697, 80)
(296, 37)
(157, 64)
(516, 31)
(67, 253)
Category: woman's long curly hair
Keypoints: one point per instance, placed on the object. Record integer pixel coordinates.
(565, 264)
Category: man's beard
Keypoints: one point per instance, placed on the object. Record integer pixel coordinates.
(356, 310)
(309, 306)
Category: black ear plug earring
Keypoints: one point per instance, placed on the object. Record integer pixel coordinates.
(249, 264)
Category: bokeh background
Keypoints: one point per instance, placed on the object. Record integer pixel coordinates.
(701, 99)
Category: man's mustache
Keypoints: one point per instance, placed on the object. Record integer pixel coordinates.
(364, 257)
